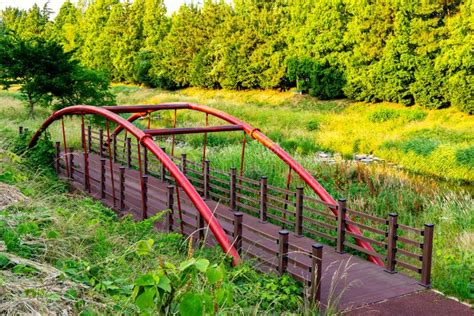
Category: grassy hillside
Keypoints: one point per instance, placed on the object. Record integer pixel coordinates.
(437, 142)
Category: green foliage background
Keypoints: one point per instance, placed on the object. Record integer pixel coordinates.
(400, 51)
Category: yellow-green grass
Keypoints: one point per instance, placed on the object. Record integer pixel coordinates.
(433, 142)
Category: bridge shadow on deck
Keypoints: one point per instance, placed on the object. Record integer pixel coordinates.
(347, 281)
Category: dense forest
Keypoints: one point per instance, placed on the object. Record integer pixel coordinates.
(389, 50)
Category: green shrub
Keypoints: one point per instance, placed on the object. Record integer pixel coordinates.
(465, 156)
(415, 115)
(383, 115)
(312, 125)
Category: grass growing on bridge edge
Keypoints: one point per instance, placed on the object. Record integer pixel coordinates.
(65, 252)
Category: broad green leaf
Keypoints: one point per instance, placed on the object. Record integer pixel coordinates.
(191, 305)
(186, 264)
(146, 300)
(202, 264)
(215, 274)
(164, 284)
(144, 247)
(146, 280)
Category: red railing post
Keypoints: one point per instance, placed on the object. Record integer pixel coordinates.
(391, 243)
(299, 212)
(316, 273)
(129, 152)
(101, 143)
(238, 217)
(233, 189)
(207, 180)
(102, 178)
(428, 235)
(282, 251)
(341, 225)
(145, 197)
(57, 157)
(263, 199)
(169, 215)
(122, 189)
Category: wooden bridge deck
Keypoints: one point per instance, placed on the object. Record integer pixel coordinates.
(347, 281)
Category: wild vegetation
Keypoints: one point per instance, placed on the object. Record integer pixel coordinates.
(377, 189)
(415, 52)
(61, 251)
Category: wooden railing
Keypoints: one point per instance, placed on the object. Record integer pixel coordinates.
(398, 245)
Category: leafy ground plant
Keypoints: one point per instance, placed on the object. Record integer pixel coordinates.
(96, 263)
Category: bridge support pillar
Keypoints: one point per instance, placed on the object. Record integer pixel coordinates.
(101, 143)
(102, 178)
(71, 163)
(238, 217)
(299, 212)
(169, 215)
(163, 169)
(391, 243)
(316, 272)
(144, 181)
(283, 251)
(122, 189)
(129, 152)
(341, 225)
(428, 235)
(207, 179)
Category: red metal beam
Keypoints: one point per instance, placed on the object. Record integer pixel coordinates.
(192, 130)
(148, 142)
(260, 137)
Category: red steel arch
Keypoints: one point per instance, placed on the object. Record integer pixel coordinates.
(148, 142)
(255, 133)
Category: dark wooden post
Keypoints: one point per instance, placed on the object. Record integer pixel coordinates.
(233, 189)
(102, 178)
(122, 189)
(207, 180)
(57, 157)
(101, 143)
(71, 163)
(163, 169)
(144, 196)
(391, 243)
(145, 160)
(299, 212)
(183, 163)
(129, 152)
(200, 226)
(263, 199)
(169, 215)
(238, 217)
(341, 225)
(428, 235)
(89, 138)
(85, 156)
(114, 143)
(283, 251)
(20, 130)
(316, 272)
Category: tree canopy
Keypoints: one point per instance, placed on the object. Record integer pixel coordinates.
(390, 50)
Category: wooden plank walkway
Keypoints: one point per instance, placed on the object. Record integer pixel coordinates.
(348, 281)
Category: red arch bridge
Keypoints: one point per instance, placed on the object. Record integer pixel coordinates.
(283, 228)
